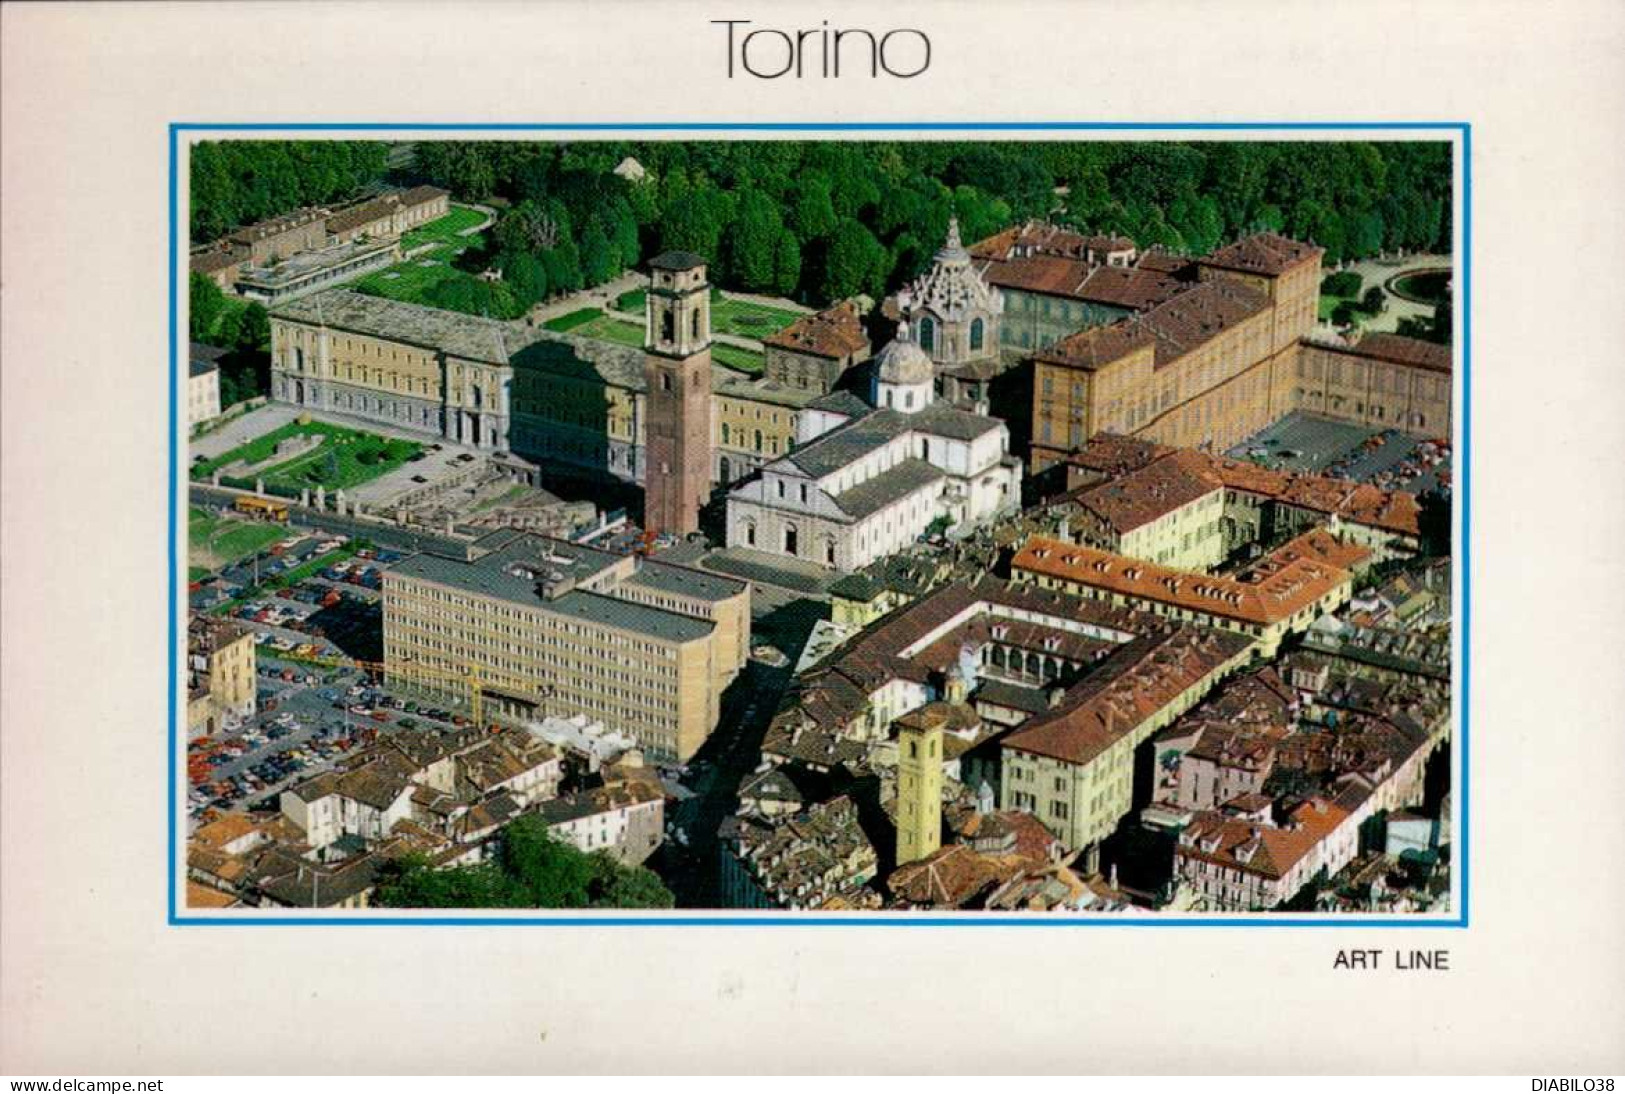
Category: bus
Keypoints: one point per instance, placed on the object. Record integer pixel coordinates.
(262, 508)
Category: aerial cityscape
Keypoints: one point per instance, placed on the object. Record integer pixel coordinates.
(869, 527)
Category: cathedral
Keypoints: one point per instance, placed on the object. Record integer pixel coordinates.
(868, 479)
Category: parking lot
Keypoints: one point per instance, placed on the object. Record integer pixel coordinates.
(309, 717)
(1382, 457)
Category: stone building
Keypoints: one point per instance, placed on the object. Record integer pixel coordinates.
(1209, 364)
(816, 350)
(1383, 381)
(551, 628)
(956, 317)
(402, 365)
(677, 376)
(919, 787)
(875, 481)
(203, 384)
(389, 215)
(222, 687)
(1056, 282)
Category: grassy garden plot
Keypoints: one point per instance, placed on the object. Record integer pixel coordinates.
(445, 229)
(346, 457)
(736, 357)
(433, 278)
(748, 319)
(215, 542)
(571, 320)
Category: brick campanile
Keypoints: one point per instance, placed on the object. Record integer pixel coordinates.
(677, 372)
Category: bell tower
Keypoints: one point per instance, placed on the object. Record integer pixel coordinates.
(677, 374)
(919, 786)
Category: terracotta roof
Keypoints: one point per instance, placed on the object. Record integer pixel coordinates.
(953, 877)
(1260, 849)
(1135, 500)
(1202, 313)
(1096, 347)
(834, 332)
(1404, 351)
(1121, 458)
(202, 896)
(1275, 588)
(1265, 253)
(1133, 684)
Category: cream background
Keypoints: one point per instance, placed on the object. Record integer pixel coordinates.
(91, 978)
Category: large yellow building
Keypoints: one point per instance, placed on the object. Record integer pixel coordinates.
(1283, 592)
(551, 628)
(402, 365)
(1073, 768)
(1204, 368)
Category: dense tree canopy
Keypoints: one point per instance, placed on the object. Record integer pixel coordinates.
(234, 183)
(812, 218)
(533, 869)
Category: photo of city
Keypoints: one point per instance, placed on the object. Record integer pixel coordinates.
(978, 528)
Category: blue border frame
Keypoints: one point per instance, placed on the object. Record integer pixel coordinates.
(1463, 466)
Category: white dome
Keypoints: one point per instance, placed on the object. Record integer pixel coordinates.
(904, 362)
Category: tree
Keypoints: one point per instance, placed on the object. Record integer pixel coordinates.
(617, 886)
(754, 242)
(599, 261)
(254, 334)
(205, 302)
(1345, 283)
(853, 263)
(1346, 314)
(563, 265)
(786, 263)
(1373, 301)
(812, 213)
(525, 277)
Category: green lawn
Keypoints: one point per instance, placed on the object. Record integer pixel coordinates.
(735, 357)
(595, 324)
(605, 328)
(748, 320)
(346, 458)
(444, 229)
(416, 280)
(578, 318)
(631, 301)
(215, 542)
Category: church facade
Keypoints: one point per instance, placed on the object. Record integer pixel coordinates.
(870, 478)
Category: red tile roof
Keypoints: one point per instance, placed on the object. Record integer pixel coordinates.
(1274, 589)
(1138, 680)
(834, 332)
(1265, 253)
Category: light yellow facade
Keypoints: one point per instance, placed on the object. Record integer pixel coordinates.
(666, 693)
(1082, 804)
(919, 788)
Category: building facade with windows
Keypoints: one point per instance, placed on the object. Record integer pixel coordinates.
(403, 365)
(547, 627)
(880, 478)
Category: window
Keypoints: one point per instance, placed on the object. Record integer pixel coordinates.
(975, 334)
(668, 326)
(928, 334)
(724, 432)
(665, 381)
(1058, 810)
(790, 539)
